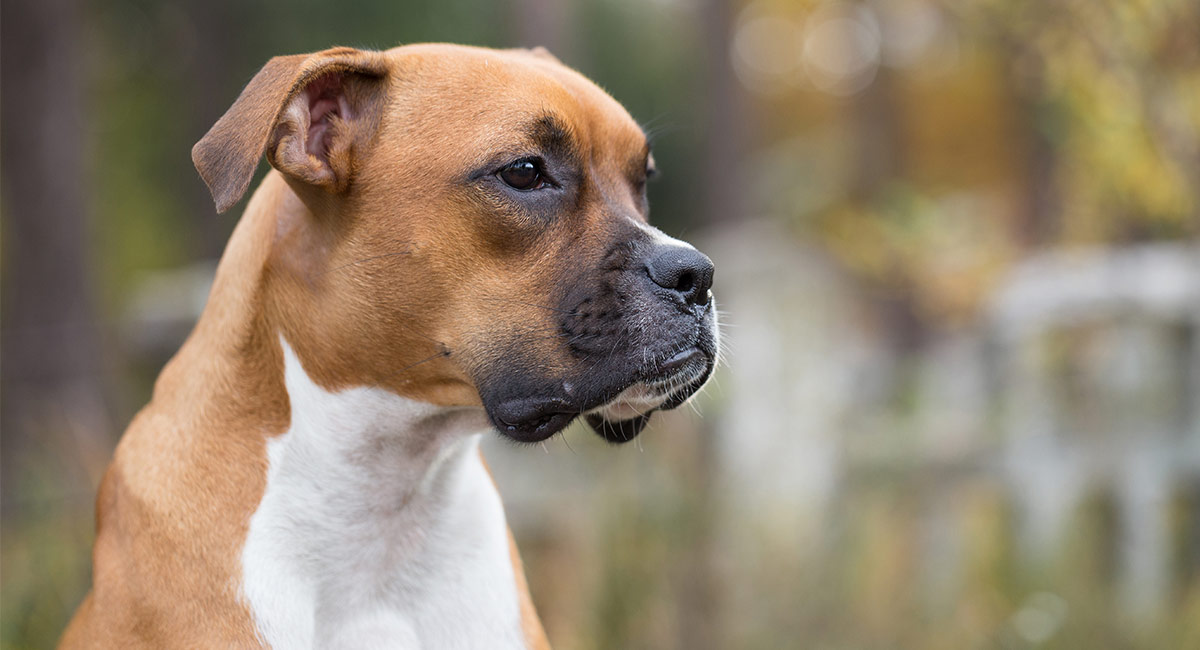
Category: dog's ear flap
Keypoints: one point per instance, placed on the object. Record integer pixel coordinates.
(306, 111)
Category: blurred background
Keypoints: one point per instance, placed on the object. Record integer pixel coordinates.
(958, 260)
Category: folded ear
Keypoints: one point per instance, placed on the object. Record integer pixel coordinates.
(308, 112)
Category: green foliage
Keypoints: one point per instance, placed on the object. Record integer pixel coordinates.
(1116, 89)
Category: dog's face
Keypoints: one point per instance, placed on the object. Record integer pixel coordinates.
(472, 229)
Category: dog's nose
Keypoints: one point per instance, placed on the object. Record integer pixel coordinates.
(684, 270)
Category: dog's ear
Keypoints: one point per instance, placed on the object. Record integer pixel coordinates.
(308, 112)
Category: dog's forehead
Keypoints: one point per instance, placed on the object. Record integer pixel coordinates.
(522, 88)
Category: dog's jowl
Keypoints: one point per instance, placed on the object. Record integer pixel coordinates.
(451, 241)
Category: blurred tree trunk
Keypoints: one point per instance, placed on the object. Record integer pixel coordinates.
(541, 22)
(726, 133)
(52, 370)
(726, 127)
(878, 133)
(877, 136)
(219, 43)
(1038, 219)
(1039, 222)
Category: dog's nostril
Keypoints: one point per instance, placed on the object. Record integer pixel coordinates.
(686, 282)
(684, 270)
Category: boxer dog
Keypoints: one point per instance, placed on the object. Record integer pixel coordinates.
(452, 240)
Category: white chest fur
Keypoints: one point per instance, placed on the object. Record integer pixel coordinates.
(379, 528)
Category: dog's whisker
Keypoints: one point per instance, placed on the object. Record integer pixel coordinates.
(566, 442)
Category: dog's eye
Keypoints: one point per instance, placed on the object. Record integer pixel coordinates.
(523, 175)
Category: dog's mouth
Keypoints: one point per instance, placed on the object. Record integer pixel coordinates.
(617, 413)
(625, 416)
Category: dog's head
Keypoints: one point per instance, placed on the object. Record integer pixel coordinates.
(468, 226)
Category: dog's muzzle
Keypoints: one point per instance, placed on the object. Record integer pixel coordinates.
(642, 335)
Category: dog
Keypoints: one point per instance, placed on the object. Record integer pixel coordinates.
(452, 240)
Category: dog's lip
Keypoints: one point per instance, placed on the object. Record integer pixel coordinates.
(689, 385)
(618, 432)
(636, 400)
(679, 360)
(670, 383)
(622, 417)
(532, 419)
(680, 369)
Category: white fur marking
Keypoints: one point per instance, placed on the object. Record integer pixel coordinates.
(379, 528)
(659, 237)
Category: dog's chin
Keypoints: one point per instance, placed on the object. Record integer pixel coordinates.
(618, 419)
(622, 419)
(536, 419)
(531, 419)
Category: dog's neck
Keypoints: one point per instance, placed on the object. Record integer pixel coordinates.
(230, 369)
(378, 519)
(375, 454)
(250, 368)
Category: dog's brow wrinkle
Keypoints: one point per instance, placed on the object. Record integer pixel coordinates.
(553, 136)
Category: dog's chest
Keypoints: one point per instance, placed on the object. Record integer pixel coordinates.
(379, 528)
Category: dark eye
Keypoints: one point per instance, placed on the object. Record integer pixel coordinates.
(523, 175)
